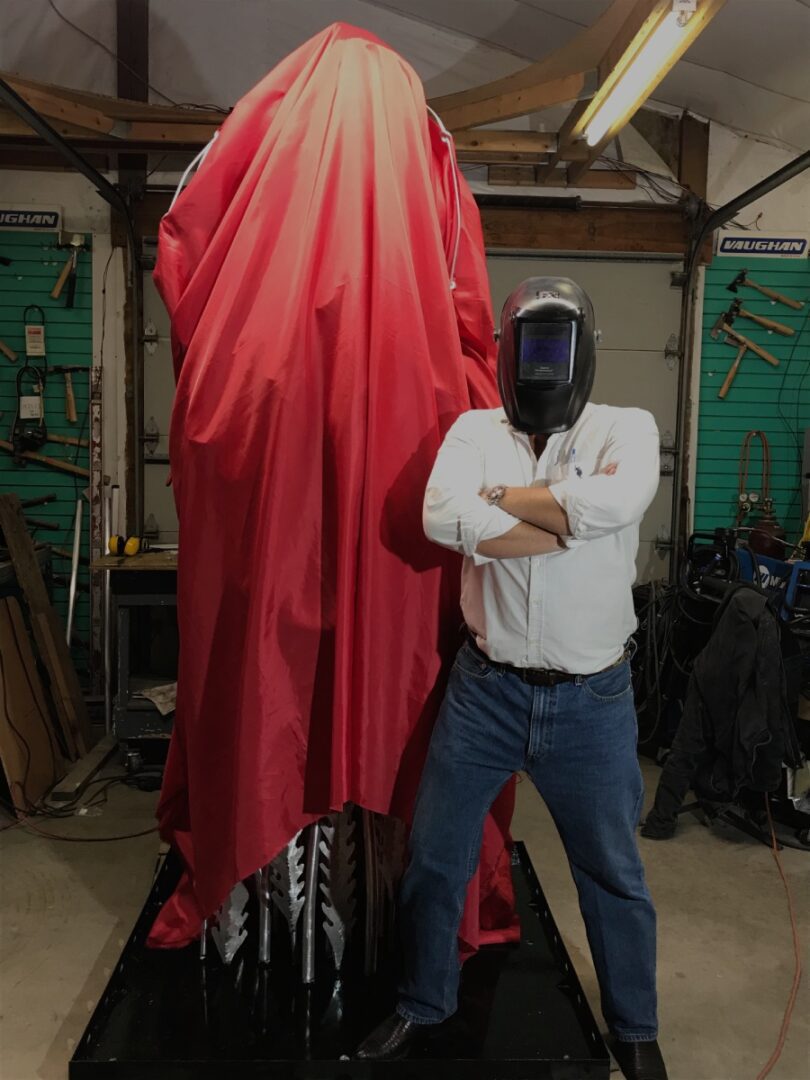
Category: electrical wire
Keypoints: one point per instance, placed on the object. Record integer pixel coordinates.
(26, 823)
(786, 420)
(797, 955)
(144, 82)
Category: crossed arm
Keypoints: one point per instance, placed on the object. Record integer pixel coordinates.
(538, 520)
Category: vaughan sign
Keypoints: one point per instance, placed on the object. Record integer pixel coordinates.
(783, 246)
(29, 218)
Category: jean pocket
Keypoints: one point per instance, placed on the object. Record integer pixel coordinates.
(610, 685)
(468, 662)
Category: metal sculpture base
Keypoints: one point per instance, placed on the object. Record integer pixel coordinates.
(167, 1015)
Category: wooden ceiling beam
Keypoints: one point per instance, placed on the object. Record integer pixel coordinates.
(557, 78)
(118, 108)
(633, 229)
(522, 142)
(527, 175)
(57, 108)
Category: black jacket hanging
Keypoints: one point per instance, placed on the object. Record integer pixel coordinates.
(737, 729)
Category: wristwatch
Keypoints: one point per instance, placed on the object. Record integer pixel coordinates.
(494, 495)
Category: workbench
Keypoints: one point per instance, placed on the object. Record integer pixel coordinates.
(139, 583)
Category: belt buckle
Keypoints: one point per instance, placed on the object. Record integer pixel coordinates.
(538, 677)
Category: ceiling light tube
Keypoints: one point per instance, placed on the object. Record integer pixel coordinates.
(639, 79)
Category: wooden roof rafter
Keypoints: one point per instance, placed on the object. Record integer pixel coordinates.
(583, 71)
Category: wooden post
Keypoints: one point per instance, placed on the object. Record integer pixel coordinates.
(48, 631)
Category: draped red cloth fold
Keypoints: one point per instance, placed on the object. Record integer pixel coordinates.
(321, 355)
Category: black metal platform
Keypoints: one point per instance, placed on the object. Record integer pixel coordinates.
(166, 1015)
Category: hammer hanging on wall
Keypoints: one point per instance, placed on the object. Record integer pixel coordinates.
(732, 371)
(742, 279)
(42, 459)
(738, 311)
(69, 271)
(70, 400)
(723, 326)
(8, 352)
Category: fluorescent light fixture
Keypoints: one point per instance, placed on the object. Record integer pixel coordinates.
(639, 78)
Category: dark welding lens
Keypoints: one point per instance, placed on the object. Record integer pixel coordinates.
(545, 352)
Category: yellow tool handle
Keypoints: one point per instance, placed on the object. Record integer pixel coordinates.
(8, 352)
(56, 291)
(732, 372)
(738, 339)
(70, 400)
(769, 324)
(797, 305)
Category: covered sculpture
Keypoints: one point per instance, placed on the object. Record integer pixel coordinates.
(324, 272)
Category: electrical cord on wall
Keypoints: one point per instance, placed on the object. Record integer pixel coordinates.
(797, 954)
(793, 430)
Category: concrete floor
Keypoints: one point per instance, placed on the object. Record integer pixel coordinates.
(725, 947)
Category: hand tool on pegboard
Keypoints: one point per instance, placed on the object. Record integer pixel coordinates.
(732, 371)
(8, 352)
(69, 270)
(68, 440)
(743, 280)
(42, 459)
(70, 400)
(737, 311)
(733, 337)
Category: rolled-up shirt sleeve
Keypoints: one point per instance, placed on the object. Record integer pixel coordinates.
(604, 503)
(454, 515)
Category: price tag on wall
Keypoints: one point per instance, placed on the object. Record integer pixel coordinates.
(34, 322)
(34, 340)
(30, 408)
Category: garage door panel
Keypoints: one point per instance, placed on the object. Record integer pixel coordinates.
(635, 304)
(159, 501)
(154, 308)
(640, 379)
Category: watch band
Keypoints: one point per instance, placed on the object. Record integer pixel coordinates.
(495, 494)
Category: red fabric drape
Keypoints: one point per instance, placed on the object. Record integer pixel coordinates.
(320, 357)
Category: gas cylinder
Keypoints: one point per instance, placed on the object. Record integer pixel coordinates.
(767, 535)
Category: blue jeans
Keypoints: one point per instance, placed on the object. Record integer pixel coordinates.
(577, 741)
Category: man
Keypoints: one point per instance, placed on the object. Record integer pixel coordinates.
(544, 498)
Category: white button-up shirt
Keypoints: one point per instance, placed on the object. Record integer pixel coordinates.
(571, 610)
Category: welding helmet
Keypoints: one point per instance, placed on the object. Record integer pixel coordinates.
(546, 354)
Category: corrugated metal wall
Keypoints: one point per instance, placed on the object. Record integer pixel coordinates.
(35, 266)
(774, 400)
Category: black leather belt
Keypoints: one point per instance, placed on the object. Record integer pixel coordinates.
(539, 676)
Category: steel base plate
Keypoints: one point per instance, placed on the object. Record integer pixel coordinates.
(167, 1015)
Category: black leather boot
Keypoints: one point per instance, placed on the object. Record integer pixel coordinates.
(639, 1060)
(390, 1041)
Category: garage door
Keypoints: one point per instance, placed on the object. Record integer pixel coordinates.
(638, 312)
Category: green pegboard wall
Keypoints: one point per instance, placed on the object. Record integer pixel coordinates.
(35, 266)
(773, 400)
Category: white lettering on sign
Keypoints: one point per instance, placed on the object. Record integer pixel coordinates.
(29, 219)
(784, 246)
